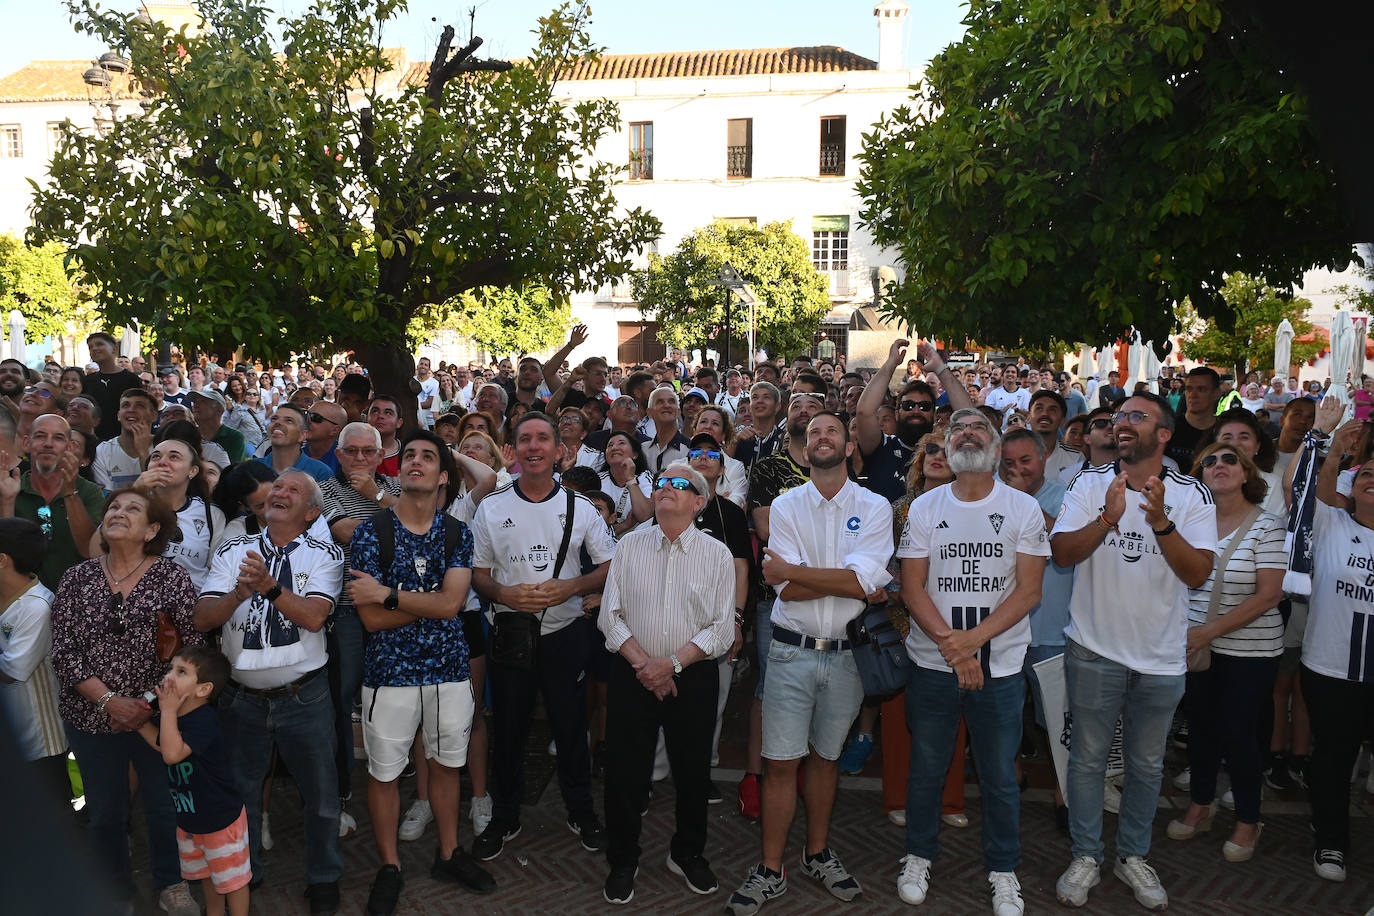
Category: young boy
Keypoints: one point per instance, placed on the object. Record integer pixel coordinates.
(212, 825)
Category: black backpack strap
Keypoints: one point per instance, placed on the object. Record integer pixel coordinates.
(385, 523)
(453, 531)
(567, 533)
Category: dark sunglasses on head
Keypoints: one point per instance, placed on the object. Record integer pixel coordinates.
(922, 406)
(710, 453)
(677, 483)
(318, 418)
(1226, 457)
(934, 448)
(1100, 423)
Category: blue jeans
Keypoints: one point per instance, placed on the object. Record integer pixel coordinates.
(1100, 690)
(104, 761)
(302, 726)
(347, 641)
(934, 704)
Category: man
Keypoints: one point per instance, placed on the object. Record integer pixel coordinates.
(52, 495)
(272, 593)
(529, 377)
(137, 364)
(429, 390)
(83, 414)
(624, 417)
(492, 400)
(1111, 394)
(322, 435)
(352, 395)
(614, 378)
(120, 460)
(638, 386)
(709, 381)
(1277, 398)
(766, 372)
(208, 408)
(1298, 417)
(973, 554)
(1228, 397)
(1137, 553)
(218, 379)
(39, 399)
(1201, 392)
(668, 445)
(415, 674)
(107, 383)
(768, 420)
(1099, 444)
(734, 391)
(355, 493)
(1074, 402)
(384, 415)
(828, 548)
(172, 392)
(886, 457)
(520, 565)
(284, 432)
(462, 386)
(667, 611)
(13, 380)
(1047, 411)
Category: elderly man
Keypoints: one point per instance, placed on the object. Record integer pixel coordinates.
(668, 444)
(208, 408)
(285, 432)
(973, 554)
(665, 634)
(272, 593)
(491, 400)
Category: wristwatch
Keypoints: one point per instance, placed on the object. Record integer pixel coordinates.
(380, 494)
(273, 593)
(677, 665)
(393, 600)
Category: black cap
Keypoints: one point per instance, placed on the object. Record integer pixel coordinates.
(705, 439)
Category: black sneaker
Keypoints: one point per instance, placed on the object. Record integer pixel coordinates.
(1181, 737)
(386, 891)
(620, 884)
(713, 796)
(1297, 768)
(587, 827)
(696, 872)
(1028, 746)
(324, 898)
(1276, 775)
(489, 845)
(1329, 864)
(463, 869)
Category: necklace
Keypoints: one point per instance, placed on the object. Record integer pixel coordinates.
(109, 571)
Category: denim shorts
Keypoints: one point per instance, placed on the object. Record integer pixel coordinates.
(763, 638)
(812, 697)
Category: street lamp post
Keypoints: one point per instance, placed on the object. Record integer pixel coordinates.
(730, 280)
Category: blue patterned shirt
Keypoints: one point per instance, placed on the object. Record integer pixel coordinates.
(427, 651)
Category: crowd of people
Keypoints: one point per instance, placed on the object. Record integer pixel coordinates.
(208, 572)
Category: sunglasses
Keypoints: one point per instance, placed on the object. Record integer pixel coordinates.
(319, 418)
(118, 625)
(933, 448)
(1100, 423)
(922, 406)
(1230, 458)
(41, 392)
(45, 520)
(710, 453)
(1130, 417)
(677, 483)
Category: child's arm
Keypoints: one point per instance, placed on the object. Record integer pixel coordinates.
(174, 750)
(149, 732)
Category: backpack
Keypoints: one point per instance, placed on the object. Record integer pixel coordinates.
(385, 522)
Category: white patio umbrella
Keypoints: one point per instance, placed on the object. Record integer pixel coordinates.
(1106, 362)
(1152, 367)
(1085, 363)
(129, 342)
(1134, 357)
(17, 324)
(1357, 362)
(1342, 353)
(1283, 349)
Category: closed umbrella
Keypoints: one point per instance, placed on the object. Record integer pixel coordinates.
(1134, 357)
(1106, 362)
(1283, 349)
(129, 342)
(1152, 367)
(17, 335)
(1342, 353)
(1085, 363)
(1357, 364)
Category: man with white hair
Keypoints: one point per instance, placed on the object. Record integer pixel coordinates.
(668, 444)
(271, 593)
(973, 555)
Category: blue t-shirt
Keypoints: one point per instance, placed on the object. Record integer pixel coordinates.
(316, 469)
(886, 467)
(202, 786)
(1051, 615)
(427, 651)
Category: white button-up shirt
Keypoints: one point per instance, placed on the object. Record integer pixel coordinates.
(666, 593)
(852, 531)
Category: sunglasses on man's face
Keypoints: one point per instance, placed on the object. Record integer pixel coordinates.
(677, 483)
(922, 406)
(709, 453)
(1100, 423)
(318, 418)
(1225, 457)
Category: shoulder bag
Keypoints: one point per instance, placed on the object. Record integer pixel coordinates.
(515, 634)
(1201, 660)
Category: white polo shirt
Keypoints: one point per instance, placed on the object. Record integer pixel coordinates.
(852, 531)
(30, 702)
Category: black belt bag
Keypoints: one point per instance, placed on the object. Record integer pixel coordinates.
(879, 652)
(515, 634)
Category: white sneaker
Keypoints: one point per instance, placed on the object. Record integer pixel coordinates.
(553, 748)
(959, 820)
(267, 831)
(176, 900)
(1111, 796)
(1228, 800)
(1184, 781)
(914, 880)
(416, 819)
(897, 816)
(347, 825)
(481, 814)
(1144, 881)
(1006, 894)
(1082, 875)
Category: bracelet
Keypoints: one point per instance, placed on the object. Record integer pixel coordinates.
(67, 495)
(104, 700)
(1166, 530)
(1102, 520)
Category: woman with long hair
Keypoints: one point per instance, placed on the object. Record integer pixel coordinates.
(175, 475)
(627, 482)
(71, 382)
(240, 416)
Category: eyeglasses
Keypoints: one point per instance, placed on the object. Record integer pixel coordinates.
(934, 448)
(353, 452)
(677, 483)
(1130, 417)
(118, 625)
(957, 429)
(1100, 423)
(319, 418)
(710, 453)
(922, 406)
(41, 392)
(45, 520)
(1230, 458)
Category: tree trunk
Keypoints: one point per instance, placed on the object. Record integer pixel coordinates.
(391, 369)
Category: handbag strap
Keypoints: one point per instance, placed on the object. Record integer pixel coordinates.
(567, 534)
(1242, 530)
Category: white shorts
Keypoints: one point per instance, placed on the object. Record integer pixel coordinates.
(392, 714)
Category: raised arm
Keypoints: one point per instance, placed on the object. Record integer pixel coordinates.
(576, 338)
(875, 392)
(931, 362)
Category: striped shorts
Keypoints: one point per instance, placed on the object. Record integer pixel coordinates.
(221, 856)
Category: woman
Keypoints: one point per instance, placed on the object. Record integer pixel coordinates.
(71, 382)
(479, 446)
(1234, 616)
(242, 497)
(1241, 428)
(627, 482)
(1363, 398)
(105, 635)
(175, 475)
(477, 422)
(1015, 418)
(1337, 679)
(84, 447)
(1253, 399)
(734, 482)
(240, 416)
(268, 392)
(572, 429)
(252, 399)
(447, 395)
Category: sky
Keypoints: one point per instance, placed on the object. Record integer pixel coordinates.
(41, 30)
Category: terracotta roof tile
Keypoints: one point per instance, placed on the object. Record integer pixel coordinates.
(53, 81)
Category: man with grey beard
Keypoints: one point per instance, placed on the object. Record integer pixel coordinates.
(973, 556)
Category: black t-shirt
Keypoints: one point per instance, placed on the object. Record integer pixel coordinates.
(768, 479)
(886, 468)
(202, 785)
(1184, 441)
(725, 521)
(106, 391)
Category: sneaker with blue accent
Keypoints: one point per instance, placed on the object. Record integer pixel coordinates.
(761, 886)
(855, 756)
(825, 867)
